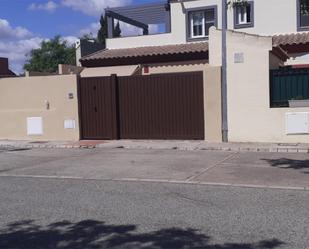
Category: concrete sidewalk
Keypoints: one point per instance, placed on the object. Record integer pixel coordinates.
(248, 169)
(161, 144)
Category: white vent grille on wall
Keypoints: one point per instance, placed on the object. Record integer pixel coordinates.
(297, 123)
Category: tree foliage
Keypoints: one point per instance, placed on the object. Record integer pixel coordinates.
(49, 55)
(88, 36)
(103, 31)
(117, 30)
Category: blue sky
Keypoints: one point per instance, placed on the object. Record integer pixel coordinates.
(25, 23)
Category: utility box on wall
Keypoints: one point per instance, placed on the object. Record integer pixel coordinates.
(69, 124)
(34, 126)
(297, 123)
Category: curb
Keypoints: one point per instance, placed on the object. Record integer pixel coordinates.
(46, 146)
(211, 148)
(270, 150)
(278, 149)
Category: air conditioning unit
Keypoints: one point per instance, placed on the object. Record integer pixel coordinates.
(297, 123)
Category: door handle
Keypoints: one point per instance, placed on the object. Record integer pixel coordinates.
(95, 109)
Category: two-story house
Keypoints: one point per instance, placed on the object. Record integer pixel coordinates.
(263, 35)
(187, 21)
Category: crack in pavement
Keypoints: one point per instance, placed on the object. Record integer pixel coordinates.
(133, 180)
(191, 178)
(193, 201)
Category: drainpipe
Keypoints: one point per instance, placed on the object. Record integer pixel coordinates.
(224, 74)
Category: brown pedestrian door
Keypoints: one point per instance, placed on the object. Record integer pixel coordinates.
(97, 105)
(163, 106)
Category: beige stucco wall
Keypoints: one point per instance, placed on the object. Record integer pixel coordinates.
(270, 17)
(250, 118)
(177, 67)
(212, 102)
(26, 97)
(212, 93)
(142, 41)
(108, 71)
(267, 19)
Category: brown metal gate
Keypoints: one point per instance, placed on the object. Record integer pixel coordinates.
(163, 106)
(168, 106)
(98, 108)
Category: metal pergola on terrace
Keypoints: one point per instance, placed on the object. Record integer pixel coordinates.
(141, 16)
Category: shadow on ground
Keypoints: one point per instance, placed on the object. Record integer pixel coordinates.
(285, 163)
(95, 235)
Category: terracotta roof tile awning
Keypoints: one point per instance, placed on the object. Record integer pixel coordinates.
(151, 54)
(292, 43)
(291, 39)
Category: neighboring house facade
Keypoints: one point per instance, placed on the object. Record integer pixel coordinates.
(85, 47)
(264, 36)
(4, 68)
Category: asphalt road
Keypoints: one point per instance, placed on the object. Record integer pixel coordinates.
(54, 213)
(45, 211)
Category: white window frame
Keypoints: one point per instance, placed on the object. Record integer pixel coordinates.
(242, 15)
(192, 24)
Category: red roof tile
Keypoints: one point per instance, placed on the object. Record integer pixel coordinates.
(148, 51)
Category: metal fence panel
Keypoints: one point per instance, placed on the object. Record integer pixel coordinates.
(288, 84)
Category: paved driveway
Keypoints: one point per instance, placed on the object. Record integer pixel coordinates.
(206, 167)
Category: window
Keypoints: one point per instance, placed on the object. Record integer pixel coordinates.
(303, 14)
(197, 24)
(200, 21)
(243, 16)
